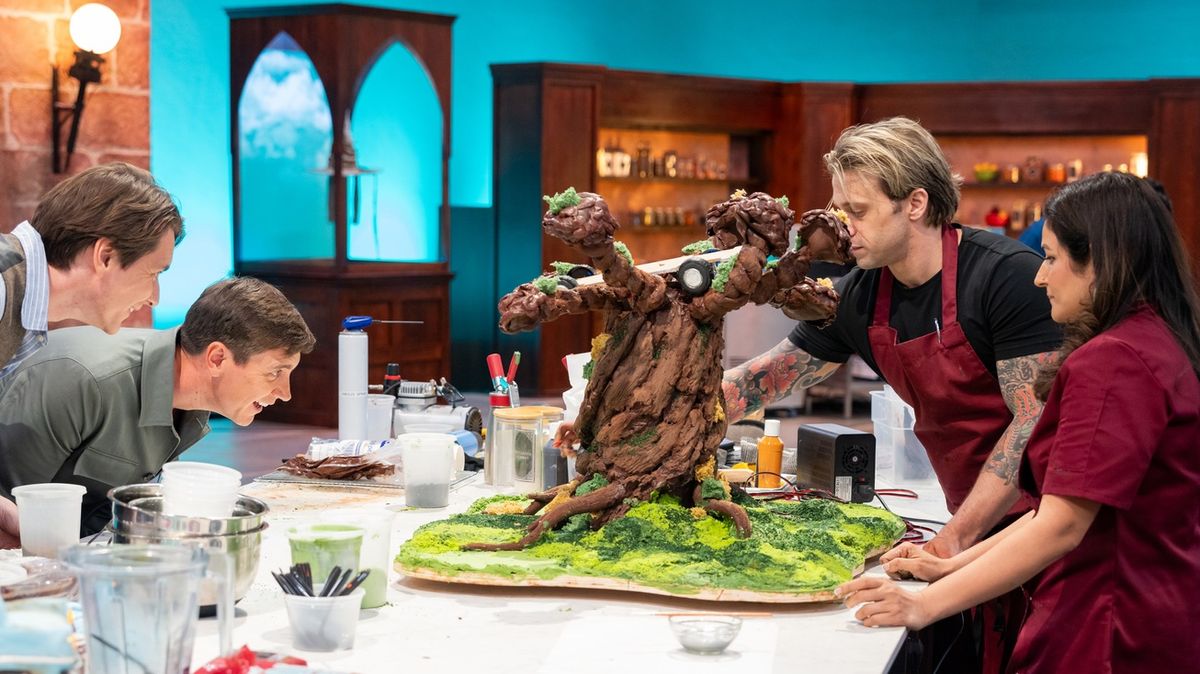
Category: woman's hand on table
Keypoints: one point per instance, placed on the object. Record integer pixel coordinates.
(883, 603)
(914, 561)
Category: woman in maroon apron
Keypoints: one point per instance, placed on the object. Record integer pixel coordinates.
(1113, 460)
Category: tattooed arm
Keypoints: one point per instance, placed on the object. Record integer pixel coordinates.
(996, 489)
(771, 376)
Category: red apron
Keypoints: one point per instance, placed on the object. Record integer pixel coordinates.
(960, 416)
(960, 411)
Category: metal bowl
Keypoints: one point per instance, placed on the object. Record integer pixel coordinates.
(147, 517)
(138, 519)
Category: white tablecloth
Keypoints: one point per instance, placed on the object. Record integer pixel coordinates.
(434, 627)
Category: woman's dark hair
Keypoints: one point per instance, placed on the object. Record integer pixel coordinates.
(1123, 226)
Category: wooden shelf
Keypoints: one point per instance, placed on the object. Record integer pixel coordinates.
(682, 181)
(1011, 186)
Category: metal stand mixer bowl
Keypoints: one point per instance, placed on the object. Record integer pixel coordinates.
(138, 519)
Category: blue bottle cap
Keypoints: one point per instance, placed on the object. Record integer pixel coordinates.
(356, 322)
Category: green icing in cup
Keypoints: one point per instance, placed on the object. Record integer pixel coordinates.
(324, 546)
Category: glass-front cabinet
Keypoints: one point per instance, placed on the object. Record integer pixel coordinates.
(340, 139)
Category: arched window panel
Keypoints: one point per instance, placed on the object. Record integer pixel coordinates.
(394, 195)
(285, 134)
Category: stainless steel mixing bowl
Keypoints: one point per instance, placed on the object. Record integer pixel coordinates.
(138, 518)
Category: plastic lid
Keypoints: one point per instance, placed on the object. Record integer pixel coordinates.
(356, 322)
(771, 427)
(529, 412)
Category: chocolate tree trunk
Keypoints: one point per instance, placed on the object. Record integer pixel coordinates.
(656, 412)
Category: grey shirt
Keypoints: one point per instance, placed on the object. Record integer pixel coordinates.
(94, 409)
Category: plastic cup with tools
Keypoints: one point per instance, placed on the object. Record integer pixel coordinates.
(49, 516)
(199, 489)
(323, 623)
(376, 553)
(428, 464)
(326, 545)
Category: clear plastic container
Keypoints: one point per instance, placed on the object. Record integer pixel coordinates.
(429, 460)
(323, 623)
(326, 545)
(199, 489)
(376, 548)
(49, 517)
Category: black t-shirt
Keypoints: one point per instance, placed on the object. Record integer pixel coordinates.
(1003, 314)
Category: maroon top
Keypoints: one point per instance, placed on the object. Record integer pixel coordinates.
(1121, 428)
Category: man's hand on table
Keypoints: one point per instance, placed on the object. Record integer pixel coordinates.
(945, 545)
(914, 561)
(10, 525)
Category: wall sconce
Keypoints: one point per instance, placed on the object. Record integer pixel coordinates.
(95, 30)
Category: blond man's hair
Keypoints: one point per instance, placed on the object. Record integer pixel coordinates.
(902, 156)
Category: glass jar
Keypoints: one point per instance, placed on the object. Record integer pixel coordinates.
(522, 436)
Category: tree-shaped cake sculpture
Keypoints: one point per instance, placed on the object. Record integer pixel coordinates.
(653, 415)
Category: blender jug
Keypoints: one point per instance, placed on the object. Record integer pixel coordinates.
(140, 604)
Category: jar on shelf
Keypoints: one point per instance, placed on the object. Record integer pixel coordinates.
(620, 162)
(1034, 170)
(1012, 174)
(1056, 173)
(1074, 170)
(643, 161)
(670, 164)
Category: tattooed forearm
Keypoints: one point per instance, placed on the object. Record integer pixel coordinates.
(1017, 376)
(771, 376)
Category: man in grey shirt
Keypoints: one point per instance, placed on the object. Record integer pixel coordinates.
(108, 410)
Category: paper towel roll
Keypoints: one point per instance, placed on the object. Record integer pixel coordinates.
(352, 385)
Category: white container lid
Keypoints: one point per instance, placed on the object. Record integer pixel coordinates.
(771, 427)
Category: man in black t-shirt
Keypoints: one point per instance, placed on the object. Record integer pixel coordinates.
(966, 360)
(1002, 313)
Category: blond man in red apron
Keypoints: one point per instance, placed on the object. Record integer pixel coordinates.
(948, 316)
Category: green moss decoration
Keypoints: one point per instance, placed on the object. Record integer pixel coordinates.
(623, 251)
(595, 482)
(711, 487)
(796, 547)
(722, 276)
(562, 200)
(771, 264)
(588, 368)
(784, 201)
(697, 247)
(547, 284)
(562, 268)
(644, 438)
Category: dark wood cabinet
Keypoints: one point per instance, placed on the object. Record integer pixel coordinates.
(343, 44)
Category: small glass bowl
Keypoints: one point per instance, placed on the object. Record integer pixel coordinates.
(705, 634)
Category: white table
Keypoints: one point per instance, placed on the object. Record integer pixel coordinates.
(435, 627)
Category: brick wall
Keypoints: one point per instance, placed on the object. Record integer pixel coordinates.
(116, 120)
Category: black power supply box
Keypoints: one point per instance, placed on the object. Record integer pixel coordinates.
(838, 459)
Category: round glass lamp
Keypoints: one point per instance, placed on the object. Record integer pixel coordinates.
(95, 28)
